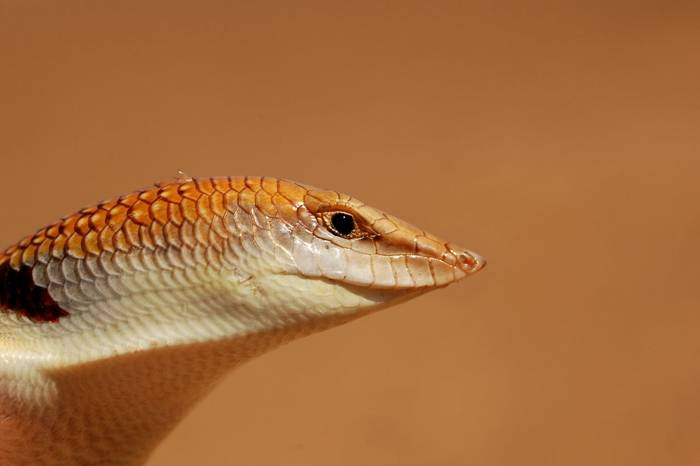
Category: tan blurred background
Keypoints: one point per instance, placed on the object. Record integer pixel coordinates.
(559, 139)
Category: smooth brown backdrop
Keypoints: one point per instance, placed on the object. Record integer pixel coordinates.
(559, 139)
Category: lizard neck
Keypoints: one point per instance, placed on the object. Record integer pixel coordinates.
(90, 398)
(112, 411)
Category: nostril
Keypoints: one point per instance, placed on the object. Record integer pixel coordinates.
(469, 261)
(474, 261)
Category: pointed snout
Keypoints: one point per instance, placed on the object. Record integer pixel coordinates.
(468, 261)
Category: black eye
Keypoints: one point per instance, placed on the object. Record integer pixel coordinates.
(343, 223)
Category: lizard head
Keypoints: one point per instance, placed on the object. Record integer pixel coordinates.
(352, 257)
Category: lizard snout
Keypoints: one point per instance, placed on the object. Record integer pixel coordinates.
(468, 261)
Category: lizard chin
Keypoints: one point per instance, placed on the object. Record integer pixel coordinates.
(317, 298)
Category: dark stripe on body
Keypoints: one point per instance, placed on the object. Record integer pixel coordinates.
(19, 293)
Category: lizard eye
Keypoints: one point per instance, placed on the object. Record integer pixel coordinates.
(345, 225)
(342, 224)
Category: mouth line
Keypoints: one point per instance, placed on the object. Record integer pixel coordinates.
(371, 291)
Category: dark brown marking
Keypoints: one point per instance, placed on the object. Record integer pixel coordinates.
(19, 293)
